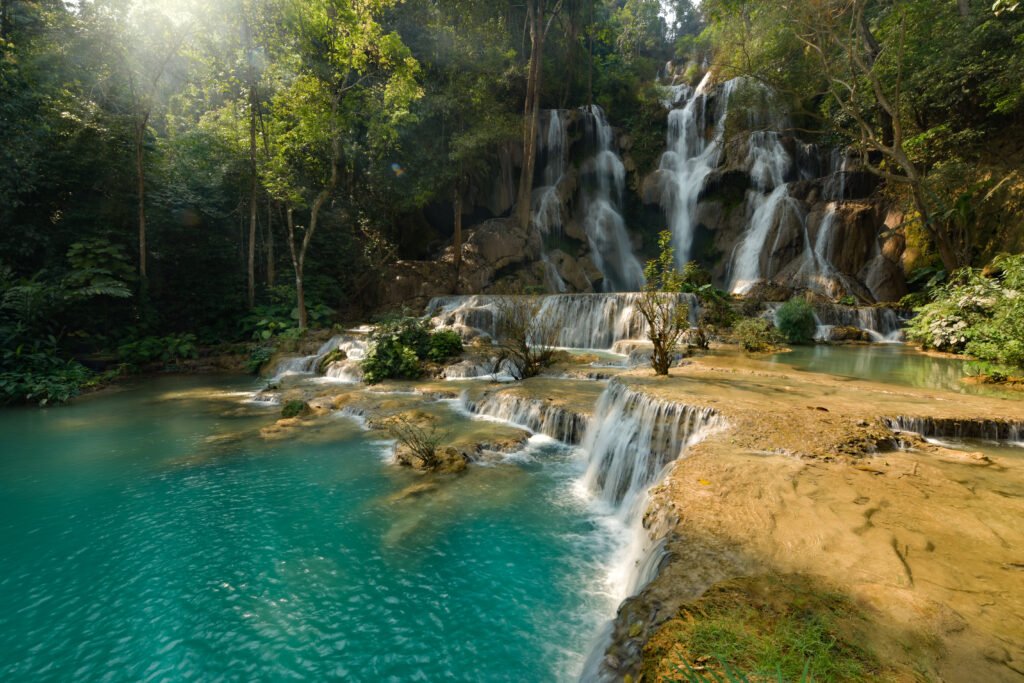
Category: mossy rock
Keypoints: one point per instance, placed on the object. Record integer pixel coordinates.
(295, 408)
(332, 357)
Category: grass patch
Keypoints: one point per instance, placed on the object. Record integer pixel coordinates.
(763, 629)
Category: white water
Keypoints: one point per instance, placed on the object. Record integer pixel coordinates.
(587, 321)
(629, 443)
(533, 414)
(689, 159)
(769, 163)
(342, 371)
(605, 180)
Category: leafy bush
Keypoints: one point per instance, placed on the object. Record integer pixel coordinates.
(757, 334)
(42, 378)
(259, 355)
(170, 349)
(443, 345)
(795, 319)
(978, 315)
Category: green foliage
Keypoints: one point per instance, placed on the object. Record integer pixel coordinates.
(443, 345)
(795, 320)
(757, 334)
(978, 315)
(259, 355)
(295, 408)
(398, 346)
(169, 350)
(39, 376)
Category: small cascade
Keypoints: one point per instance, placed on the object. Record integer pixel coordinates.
(689, 160)
(882, 324)
(598, 321)
(631, 440)
(346, 370)
(605, 181)
(537, 415)
(1006, 431)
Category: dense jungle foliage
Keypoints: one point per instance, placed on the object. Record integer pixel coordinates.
(180, 174)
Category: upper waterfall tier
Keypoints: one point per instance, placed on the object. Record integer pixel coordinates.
(586, 321)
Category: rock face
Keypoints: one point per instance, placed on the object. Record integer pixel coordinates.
(752, 204)
(491, 250)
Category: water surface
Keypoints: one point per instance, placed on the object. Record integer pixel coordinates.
(150, 535)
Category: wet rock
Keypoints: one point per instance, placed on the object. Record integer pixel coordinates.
(848, 334)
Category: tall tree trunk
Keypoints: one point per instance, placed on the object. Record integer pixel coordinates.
(271, 270)
(140, 187)
(457, 241)
(254, 179)
(299, 254)
(965, 8)
(297, 264)
(531, 111)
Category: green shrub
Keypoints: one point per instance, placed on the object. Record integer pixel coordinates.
(444, 345)
(757, 334)
(259, 355)
(170, 349)
(978, 315)
(398, 346)
(795, 319)
(295, 408)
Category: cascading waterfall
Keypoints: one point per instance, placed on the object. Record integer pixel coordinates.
(593, 321)
(630, 441)
(605, 183)
(546, 200)
(537, 415)
(769, 163)
(689, 160)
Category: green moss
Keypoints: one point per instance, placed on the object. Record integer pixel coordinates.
(295, 408)
(766, 628)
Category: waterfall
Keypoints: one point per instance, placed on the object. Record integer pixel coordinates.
(882, 324)
(629, 443)
(536, 415)
(609, 242)
(344, 370)
(586, 321)
(688, 161)
(768, 162)
(547, 205)
(1006, 431)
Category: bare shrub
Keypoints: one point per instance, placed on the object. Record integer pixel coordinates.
(527, 336)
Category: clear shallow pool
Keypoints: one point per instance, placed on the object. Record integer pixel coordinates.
(150, 534)
(889, 363)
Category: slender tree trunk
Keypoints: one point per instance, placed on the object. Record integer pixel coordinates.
(457, 241)
(271, 271)
(253, 189)
(531, 112)
(297, 263)
(965, 8)
(140, 180)
(299, 254)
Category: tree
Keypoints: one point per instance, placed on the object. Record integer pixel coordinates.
(353, 86)
(539, 17)
(659, 304)
(527, 336)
